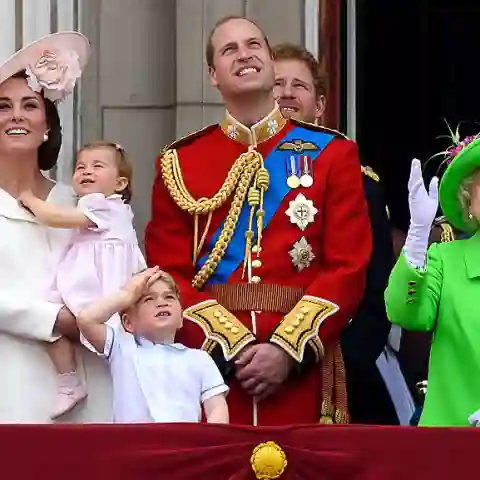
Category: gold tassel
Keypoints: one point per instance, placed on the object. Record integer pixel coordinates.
(327, 413)
(248, 246)
(341, 417)
(340, 385)
(197, 246)
(262, 182)
(334, 407)
(325, 420)
(195, 239)
(253, 201)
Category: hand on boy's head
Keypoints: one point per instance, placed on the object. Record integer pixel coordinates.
(139, 283)
(154, 276)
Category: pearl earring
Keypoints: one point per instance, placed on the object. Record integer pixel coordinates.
(470, 216)
(45, 137)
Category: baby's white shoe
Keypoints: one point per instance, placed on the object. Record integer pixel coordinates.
(70, 392)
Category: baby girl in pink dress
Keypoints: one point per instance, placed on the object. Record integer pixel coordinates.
(102, 255)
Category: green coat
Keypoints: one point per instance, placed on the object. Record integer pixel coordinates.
(445, 298)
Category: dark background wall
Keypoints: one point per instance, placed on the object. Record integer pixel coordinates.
(416, 66)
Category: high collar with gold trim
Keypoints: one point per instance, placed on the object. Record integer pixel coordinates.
(258, 133)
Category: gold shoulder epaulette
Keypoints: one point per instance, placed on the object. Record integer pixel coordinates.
(319, 128)
(447, 232)
(440, 220)
(188, 138)
(368, 171)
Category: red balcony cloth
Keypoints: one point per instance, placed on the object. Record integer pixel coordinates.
(210, 452)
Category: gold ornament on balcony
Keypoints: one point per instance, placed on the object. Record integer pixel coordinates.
(268, 461)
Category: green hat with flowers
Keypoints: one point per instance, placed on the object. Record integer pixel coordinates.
(462, 160)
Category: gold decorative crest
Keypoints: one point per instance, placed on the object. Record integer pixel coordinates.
(268, 461)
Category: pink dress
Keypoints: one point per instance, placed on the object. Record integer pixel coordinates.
(100, 259)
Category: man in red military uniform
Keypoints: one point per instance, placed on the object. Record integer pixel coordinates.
(263, 222)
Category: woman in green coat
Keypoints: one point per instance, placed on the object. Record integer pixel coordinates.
(438, 288)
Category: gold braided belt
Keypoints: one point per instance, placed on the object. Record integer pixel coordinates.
(247, 176)
(256, 296)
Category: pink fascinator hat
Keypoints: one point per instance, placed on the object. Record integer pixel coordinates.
(53, 64)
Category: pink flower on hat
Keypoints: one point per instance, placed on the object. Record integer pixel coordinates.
(55, 73)
(452, 152)
(455, 150)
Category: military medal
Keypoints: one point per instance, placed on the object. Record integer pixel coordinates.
(306, 180)
(304, 177)
(302, 254)
(301, 212)
(293, 181)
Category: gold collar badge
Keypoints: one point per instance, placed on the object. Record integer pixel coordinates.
(258, 133)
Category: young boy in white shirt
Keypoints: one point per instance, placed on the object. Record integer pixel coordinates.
(154, 378)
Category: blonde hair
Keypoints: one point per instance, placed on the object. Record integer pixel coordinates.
(167, 279)
(123, 163)
(465, 199)
(164, 277)
(170, 282)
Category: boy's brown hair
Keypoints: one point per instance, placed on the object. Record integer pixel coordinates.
(170, 282)
(290, 51)
(123, 163)
(209, 51)
(167, 279)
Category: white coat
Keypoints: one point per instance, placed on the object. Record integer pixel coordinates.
(27, 377)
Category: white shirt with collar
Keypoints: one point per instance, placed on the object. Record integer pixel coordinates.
(162, 383)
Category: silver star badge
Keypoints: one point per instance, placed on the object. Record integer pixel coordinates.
(301, 212)
(232, 131)
(272, 126)
(302, 254)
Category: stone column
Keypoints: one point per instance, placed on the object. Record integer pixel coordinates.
(39, 18)
(128, 93)
(8, 31)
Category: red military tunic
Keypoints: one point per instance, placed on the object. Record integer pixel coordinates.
(302, 288)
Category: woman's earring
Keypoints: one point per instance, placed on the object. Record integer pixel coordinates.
(45, 137)
(470, 216)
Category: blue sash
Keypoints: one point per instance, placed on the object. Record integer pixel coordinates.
(275, 164)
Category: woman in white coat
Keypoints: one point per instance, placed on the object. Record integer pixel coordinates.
(31, 82)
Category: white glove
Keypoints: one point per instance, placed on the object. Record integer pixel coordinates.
(423, 209)
(474, 419)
